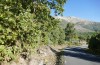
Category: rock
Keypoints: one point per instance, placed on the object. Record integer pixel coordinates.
(45, 56)
(34, 61)
(13, 63)
(21, 61)
(45, 51)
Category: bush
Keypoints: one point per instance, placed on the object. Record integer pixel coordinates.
(94, 43)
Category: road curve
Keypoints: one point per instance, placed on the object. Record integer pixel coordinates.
(77, 56)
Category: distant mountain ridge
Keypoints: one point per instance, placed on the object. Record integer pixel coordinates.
(81, 25)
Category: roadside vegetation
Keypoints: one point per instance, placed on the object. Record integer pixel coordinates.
(27, 24)
(94, 44)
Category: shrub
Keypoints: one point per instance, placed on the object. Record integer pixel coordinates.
(94, 43)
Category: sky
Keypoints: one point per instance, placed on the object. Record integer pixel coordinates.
(85, 9)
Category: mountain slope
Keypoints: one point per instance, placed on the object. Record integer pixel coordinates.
(81, 25)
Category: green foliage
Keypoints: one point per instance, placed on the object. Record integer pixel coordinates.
(30, 23)
(85, 35)
(69, 31)
(8, 53)
(58, 36)
(94, 43)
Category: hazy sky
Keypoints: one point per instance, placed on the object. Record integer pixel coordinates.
(86, 9)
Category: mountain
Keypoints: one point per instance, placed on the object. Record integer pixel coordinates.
(81, 25)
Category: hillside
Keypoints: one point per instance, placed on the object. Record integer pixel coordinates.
(81, 25)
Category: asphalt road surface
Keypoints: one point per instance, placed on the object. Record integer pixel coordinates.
(77, 56)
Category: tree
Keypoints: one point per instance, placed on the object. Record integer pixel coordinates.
(69, 31)
(28, 22)
(24, 16)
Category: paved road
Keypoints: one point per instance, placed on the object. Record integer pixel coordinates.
(77, 56)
